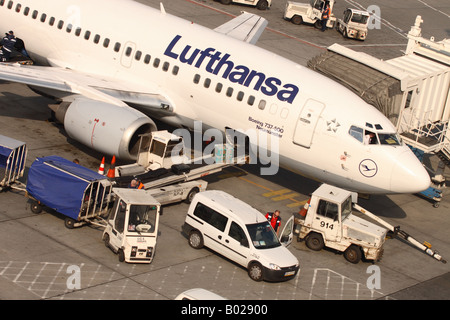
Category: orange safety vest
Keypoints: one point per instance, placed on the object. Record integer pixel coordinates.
(326, 13)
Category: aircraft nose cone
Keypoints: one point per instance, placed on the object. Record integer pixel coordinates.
(409, 175)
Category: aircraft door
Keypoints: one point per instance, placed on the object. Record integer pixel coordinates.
(128, 54)
(307, 122)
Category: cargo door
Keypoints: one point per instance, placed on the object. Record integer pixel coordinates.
(307, 122)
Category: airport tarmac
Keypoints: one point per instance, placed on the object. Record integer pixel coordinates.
(38, 254)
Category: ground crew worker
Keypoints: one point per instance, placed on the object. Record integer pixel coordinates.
(8, 42)
(135, 184)
(274, 220)
(325, 15)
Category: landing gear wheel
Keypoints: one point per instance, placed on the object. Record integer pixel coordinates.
(255, 271)
(353, 254)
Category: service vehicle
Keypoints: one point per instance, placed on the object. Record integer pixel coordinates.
(13, 154)
(163, 160)
(132, 225)
(311, 13)
(354, 24)
(327, 220)
(80, 194)
(198, 294)
(260, 4)
(239, 232)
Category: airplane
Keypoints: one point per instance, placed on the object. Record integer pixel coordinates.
(114, 65)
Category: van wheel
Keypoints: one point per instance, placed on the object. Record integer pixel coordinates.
(195, 240)
(255, 271)
(314, 241)
(353, 254)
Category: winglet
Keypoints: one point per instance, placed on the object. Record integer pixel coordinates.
(247, 27)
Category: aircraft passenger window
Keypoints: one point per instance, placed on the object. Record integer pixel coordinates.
(357, 133)
(207, 82)
(43, 17)
(229, 91)
(251, 100)
(87, 35)
(219, 87)
(51, 22)
(2, 2)
(35, 14)
(97, 38)
(78, 31)
(138, 55)
(175, 70)
(240, 96)
(147, 58)
(156, 62)
(117, 47)
(262, 105)
(69, 28)
(10, 4)
(18, 7)
(106, 43)
(60, 24)
(196, 78)
(26, 11)
(128, 51)
(166, 66)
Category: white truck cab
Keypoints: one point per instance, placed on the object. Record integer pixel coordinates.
(132, 225)
(239, 232)
(260, 4)
(354, 24)
(328, 221)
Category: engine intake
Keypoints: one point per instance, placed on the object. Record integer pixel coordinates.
(104, 127)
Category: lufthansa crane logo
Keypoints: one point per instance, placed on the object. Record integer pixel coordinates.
(368, 168)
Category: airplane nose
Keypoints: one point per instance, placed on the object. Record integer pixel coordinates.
(409, 175)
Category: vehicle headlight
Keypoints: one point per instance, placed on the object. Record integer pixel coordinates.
(273, 266)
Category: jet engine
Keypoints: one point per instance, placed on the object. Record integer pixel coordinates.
(107, 128)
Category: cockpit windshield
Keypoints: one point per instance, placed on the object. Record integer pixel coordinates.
(373, 137)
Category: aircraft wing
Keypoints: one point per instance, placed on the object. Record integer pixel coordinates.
(91, 86)
(246, 27)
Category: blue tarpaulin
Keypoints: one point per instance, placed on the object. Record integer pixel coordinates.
(60, 184)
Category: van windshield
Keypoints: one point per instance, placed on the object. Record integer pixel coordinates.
(263, 236)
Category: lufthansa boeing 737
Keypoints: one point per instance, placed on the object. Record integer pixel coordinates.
(115, 64)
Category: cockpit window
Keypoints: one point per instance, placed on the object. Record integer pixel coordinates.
(389, 138)
(357, 133)
(371, 137)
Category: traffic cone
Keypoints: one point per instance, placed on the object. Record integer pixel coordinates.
(112, 168)
(101, 170)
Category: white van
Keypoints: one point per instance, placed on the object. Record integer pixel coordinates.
(239, 232)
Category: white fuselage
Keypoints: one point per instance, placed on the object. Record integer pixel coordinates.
(310, 114)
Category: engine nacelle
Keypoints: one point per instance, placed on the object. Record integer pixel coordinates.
(104, 127)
